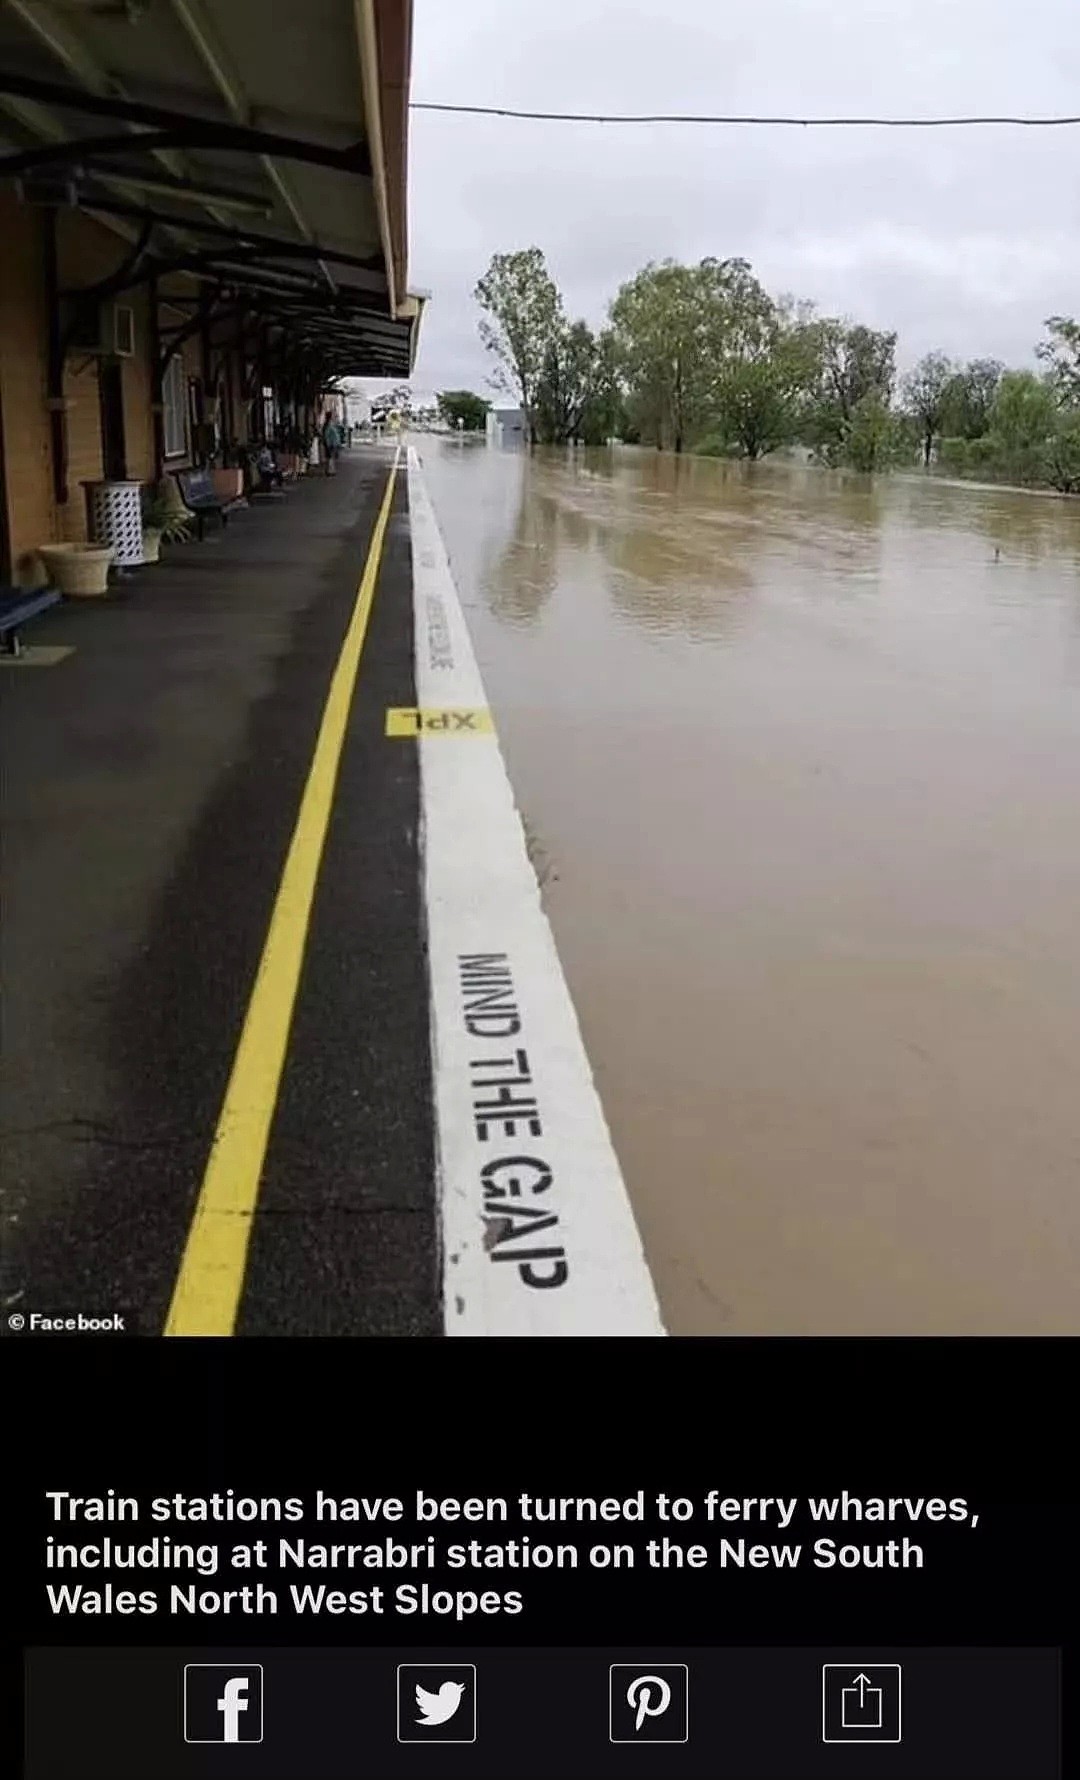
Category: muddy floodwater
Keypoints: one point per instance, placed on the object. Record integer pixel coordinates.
(799, 756)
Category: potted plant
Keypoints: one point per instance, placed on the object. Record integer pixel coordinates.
(164, 520)
(79, 571)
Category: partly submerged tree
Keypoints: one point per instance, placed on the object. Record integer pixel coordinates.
(686, 337)
(568, 383)
(1023, 426)
(604, 416)
(853, 365)
(876, 437)
(463, 405)
(657, 321)
(968, 398)
(1061, 353)
(925, 392)
(762, 391)
(523, 319)
(856, 362)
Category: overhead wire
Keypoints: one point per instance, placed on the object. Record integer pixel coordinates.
(888, 123)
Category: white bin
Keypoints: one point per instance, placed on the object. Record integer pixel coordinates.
(114, 516)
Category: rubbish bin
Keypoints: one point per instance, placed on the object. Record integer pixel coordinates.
(114, 516)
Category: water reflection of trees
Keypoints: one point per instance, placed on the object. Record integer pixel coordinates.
(666, 577)
(552, 529)
(700, 535)
(523, 578)
(680, 543)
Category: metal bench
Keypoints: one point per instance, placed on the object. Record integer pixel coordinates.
(16, 606)
(200, 497)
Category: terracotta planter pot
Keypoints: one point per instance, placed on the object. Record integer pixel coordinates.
(228, 484)
(80, 571)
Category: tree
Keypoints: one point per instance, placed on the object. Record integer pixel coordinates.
(605, 411)
(568, 383)
(761, 392)
(523, 319)
(853, 363)
(463, 405)
(856, 362)
(1022, 425)
(1062, 353)
(925, 389)
(875, 439)
(680, 332)
(1063, 454)
(657, 322)
(754, 407)
(968, 398)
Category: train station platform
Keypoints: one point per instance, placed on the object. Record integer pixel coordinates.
(287, 1046)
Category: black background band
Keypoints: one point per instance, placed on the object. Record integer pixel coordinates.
(982, 1420)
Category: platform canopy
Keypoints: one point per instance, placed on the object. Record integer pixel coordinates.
(258, 145)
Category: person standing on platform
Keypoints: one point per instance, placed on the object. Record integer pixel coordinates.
(331, 443)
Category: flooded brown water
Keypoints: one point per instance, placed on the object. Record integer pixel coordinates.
(800, 758)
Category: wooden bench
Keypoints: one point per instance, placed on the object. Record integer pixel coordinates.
(201, 498)
(17, 604)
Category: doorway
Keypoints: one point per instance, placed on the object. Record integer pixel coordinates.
(111, 400)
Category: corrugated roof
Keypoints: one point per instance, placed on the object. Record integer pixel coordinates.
(238, 132)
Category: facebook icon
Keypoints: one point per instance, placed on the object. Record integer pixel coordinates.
(223, 1703)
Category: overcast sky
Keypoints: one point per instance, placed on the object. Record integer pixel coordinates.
(959, 239)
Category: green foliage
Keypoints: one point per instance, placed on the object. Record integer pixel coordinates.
(854, 362)
(681, 334)
(956, 456)
(875, 439)
(968, 398)
(523, 320)
(925, 391)
(1030, 439)
(755, 405)
(1022, 421)
(1063, 453)
(604, 416)
(568, 383)
(701, 358)
(716, 445)
(1062, 354)
(1039, 439)
(462, 404)
(160, 514)
(850, 373)
(659, 331)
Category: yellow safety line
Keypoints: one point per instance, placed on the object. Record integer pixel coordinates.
(206, 1297)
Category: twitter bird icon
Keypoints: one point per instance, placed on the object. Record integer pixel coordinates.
(436, 1708)
(436, 1703)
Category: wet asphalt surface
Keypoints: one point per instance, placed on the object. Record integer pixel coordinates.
(151, 785)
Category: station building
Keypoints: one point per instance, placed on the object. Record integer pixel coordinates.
(202, 228)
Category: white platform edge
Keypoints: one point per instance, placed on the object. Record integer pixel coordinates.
(482, 899)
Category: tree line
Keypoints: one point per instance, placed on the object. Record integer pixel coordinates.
(702, 358)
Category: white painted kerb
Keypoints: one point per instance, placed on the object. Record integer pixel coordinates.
(483, 901)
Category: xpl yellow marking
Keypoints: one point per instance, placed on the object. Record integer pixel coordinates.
(409, 721)
(211, 1278)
